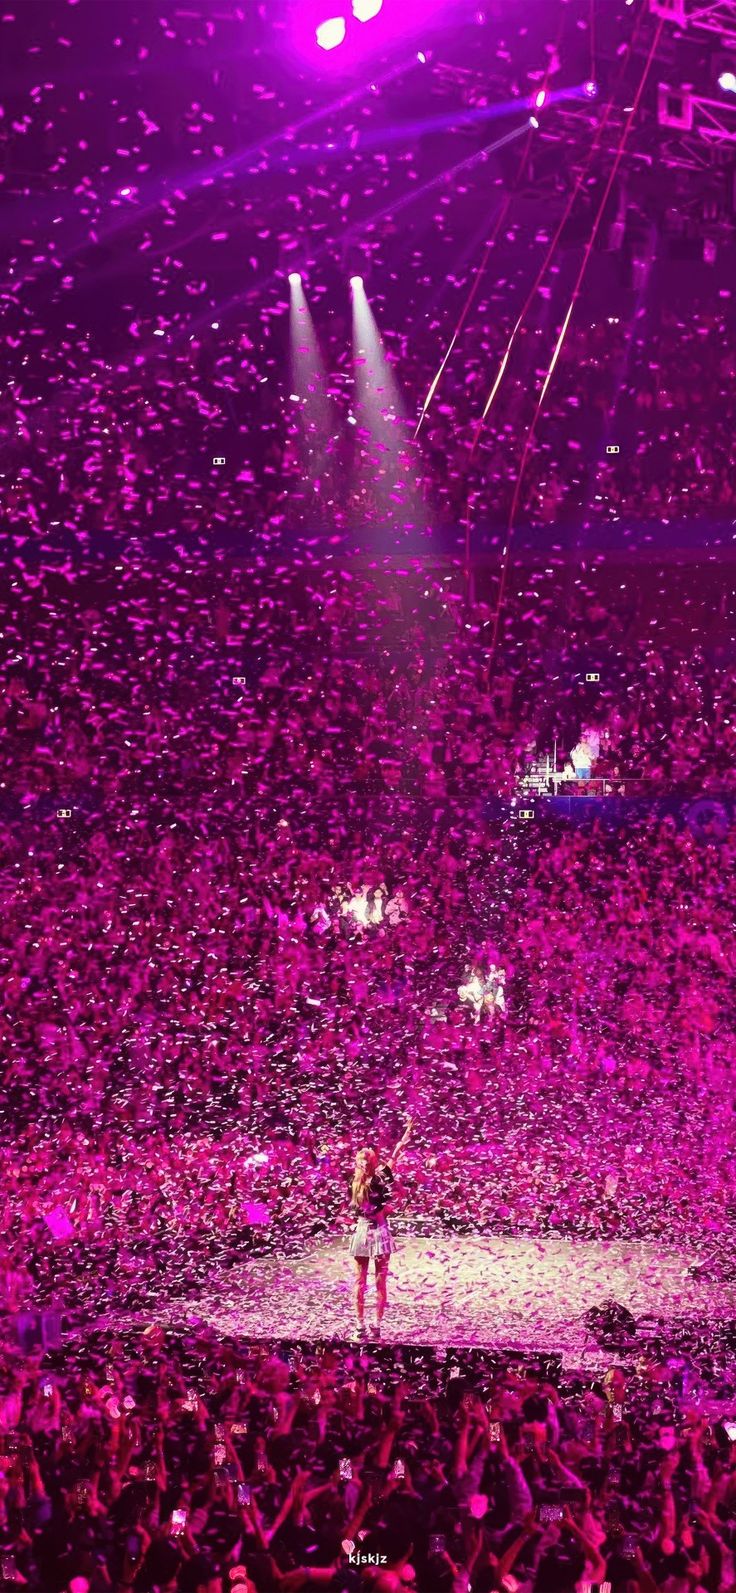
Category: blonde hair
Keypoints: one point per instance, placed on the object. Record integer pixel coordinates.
(363, 1175)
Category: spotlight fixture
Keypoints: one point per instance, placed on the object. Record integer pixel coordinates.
(727, 82)
(295, 278)
(590, 89)
(330, 33)
(366, 10)
(540, 99)
(533, 121)
(356, 282)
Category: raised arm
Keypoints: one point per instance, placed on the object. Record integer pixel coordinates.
(396, 1152)
(508, 1559)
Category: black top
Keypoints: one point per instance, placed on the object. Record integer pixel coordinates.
(378, 1194)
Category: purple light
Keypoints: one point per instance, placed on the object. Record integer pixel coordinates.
(330, 33)
(590, 89)
(540, 98)
(727, 82)
(342, 35)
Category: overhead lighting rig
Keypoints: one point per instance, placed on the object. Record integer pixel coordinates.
(716, 17)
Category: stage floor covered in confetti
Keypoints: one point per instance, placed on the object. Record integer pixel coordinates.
(495, 1291)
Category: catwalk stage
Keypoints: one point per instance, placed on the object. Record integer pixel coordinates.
(489, 1291)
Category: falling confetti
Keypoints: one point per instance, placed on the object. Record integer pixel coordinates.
(309, 824)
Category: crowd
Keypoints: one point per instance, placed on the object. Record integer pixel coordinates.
(370, 681)
(665, 723)
(176, 1464)
(673, 423)
(635, 427)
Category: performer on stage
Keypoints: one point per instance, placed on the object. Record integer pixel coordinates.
(371, 1239)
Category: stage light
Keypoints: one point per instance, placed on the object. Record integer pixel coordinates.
(540, 98)
(295, 279)
(366, 10)
(727, 82)
(356, 282)
(590, 89)
(330, 33)
(533, 121)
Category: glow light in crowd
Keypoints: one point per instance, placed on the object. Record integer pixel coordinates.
(366, 907)
(370, 907)
(483, 992)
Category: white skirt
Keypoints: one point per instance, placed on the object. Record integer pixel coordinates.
(371, 1238)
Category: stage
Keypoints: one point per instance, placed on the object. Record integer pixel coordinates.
(490, 1291)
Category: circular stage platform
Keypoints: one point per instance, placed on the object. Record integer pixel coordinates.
(522, 1293)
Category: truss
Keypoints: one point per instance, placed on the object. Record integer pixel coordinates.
(700, 138)
(717, 17)
(704, 129)
(715, 121)
(690, 132)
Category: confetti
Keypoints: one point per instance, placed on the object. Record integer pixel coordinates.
(325, 803)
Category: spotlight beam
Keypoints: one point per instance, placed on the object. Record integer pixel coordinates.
(409, 132)
(189, 181)
(384, 462)
(444, 176)
(313, 419)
